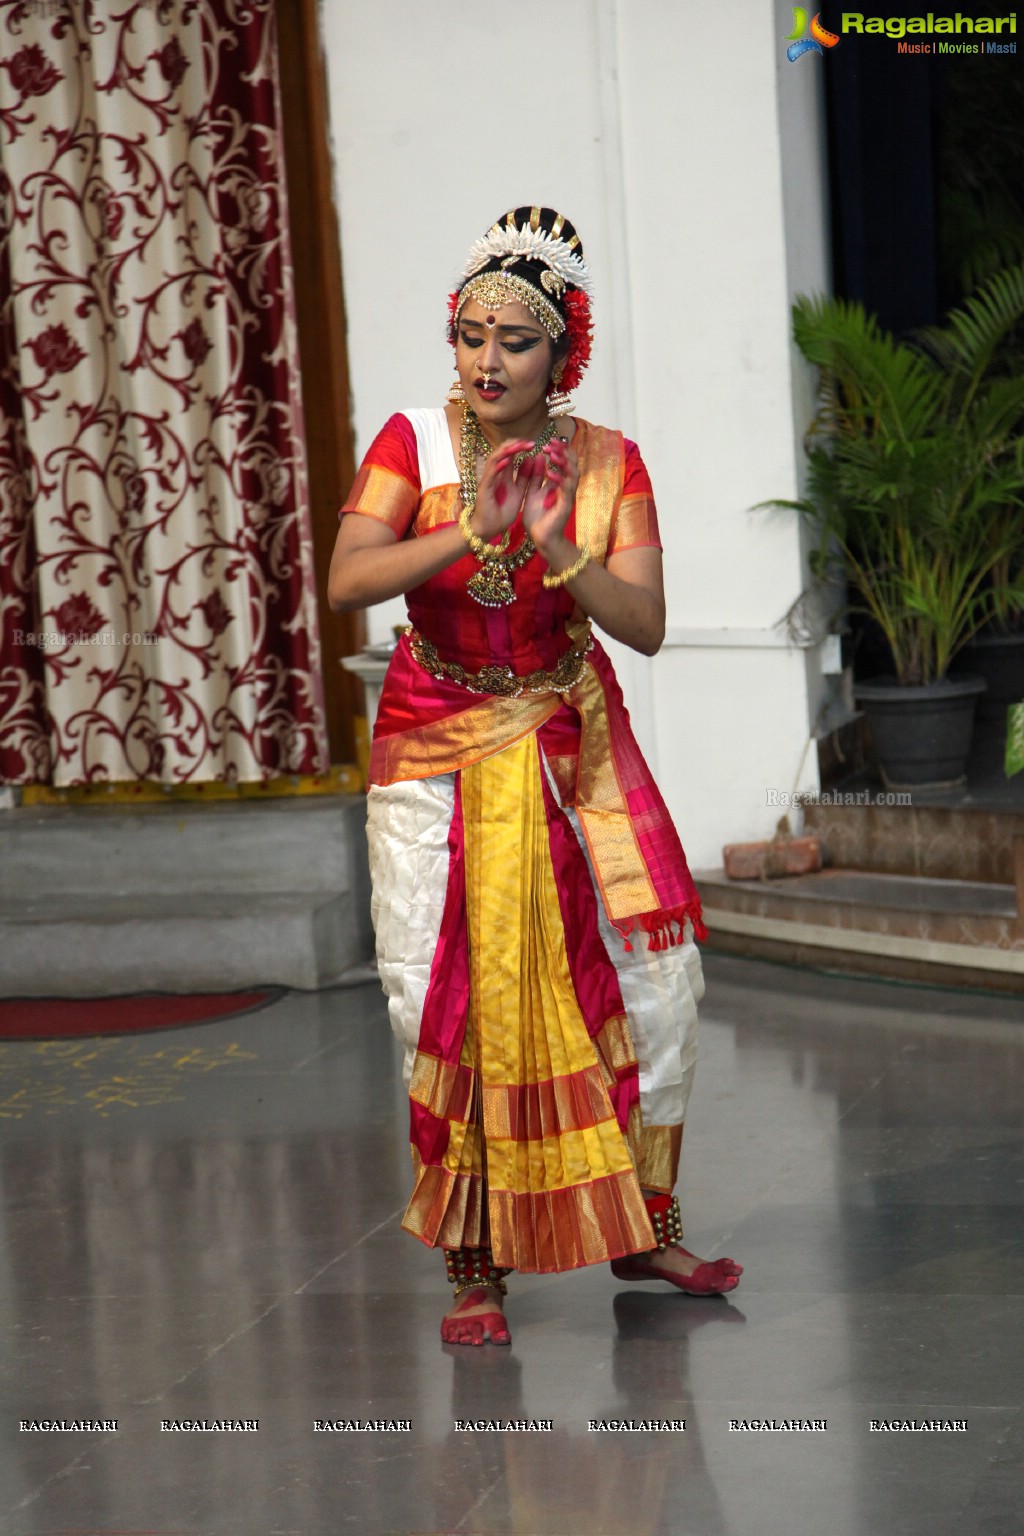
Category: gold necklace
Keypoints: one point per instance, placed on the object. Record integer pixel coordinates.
(492, 584)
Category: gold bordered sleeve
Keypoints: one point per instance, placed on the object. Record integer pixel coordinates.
(635, 524)
(387, 486)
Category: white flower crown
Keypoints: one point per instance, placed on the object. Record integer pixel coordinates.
(528, 245)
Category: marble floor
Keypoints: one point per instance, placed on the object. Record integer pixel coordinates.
(204, 1224)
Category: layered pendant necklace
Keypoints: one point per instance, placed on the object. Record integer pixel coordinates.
(492, 583)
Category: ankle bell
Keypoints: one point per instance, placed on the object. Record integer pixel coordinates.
(468, 1267)
(665, 1218)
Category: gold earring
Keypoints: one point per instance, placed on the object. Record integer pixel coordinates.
(457, 395)
(560, 402)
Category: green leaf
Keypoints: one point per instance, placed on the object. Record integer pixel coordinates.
(969, 337)
(1014, 739)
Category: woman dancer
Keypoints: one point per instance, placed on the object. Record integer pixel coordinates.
(533, 908)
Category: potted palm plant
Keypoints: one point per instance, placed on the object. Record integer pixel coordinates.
(996, 652)
(915, 492)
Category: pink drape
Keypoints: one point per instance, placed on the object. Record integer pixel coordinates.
(157, 603)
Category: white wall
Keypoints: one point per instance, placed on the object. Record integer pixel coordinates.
(664, 147)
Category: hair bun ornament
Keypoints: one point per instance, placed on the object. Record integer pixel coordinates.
(533, 256)
(510, 241)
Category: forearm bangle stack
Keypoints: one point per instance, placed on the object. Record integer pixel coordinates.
(560, 578)
(480, 547)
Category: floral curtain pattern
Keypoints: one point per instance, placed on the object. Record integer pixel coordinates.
(157, 601)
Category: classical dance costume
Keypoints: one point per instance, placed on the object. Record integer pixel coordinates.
(534, 913)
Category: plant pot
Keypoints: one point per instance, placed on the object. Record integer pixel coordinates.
(921, 736)
(999, 659)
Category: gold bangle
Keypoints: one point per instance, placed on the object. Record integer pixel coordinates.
(560, 578)
(480, 547)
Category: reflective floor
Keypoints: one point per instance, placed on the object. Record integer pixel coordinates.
(204, 1224)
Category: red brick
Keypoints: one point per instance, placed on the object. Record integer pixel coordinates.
(770, 860)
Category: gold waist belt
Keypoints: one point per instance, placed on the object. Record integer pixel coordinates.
(502, 681)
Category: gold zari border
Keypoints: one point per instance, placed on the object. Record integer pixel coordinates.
(384, 495)
(656, 1150)
(636, 526)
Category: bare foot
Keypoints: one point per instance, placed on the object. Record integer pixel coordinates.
(476, 1318)
(697, 1277)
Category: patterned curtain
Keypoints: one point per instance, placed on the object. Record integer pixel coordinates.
(157, 603)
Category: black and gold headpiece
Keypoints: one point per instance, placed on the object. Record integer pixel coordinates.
(532, 256)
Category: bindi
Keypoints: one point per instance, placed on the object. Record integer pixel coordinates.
(490, 322)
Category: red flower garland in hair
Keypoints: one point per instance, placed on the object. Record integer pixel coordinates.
(579, 328)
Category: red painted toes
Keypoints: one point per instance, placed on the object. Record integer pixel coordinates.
(491, 1328)
(709, 1280)
(465, 1327)
(712, 1278)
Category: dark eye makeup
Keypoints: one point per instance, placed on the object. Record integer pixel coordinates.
(525, 345)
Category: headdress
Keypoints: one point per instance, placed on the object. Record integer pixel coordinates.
(533, 256)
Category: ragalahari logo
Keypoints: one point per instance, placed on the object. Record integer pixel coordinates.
(820, 38)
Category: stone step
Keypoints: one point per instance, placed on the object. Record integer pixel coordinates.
(282, 845)
(111, 945)
(917, 928)
(926, 841)
(98, 901)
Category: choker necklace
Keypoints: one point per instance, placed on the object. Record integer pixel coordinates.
(492, 584)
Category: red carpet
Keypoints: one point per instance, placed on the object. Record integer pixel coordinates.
(53, 1018)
